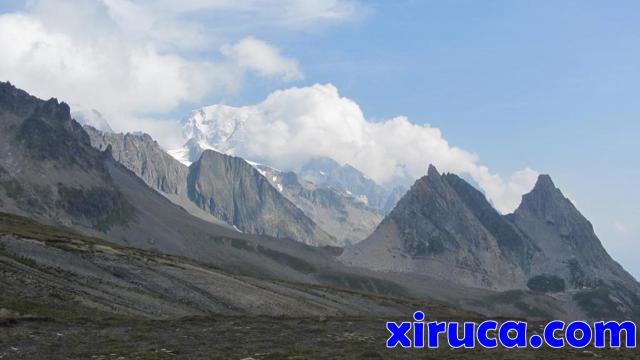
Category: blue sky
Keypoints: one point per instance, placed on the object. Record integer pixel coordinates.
(553, 85)
(548, 85)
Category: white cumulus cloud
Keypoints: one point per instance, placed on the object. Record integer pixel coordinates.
(291, 126)
(253, 54)
(128, 59)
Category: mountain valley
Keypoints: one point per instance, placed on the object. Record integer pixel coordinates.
(108, 228)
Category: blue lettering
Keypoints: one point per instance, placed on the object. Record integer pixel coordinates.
(615, 330)
(520, 338)
(398, 334)
(418, 329)
(586, 334)
(483, 334)
(468, 339)
(435, 328)
(550, 334)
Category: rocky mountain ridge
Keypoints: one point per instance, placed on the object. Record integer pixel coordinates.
(345, 218)
(446, 228)
(443, 240)
(216, 188)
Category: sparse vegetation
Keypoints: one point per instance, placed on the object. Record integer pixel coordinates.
(53, 235)
(597, 303)
(546, 284)
(103, 207)
(361, 283)
(288, 260)
(245, 337)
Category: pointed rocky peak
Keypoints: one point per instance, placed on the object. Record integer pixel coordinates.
(544, 182)
(432, 181)
(546, 204)
(55, 110)
(545, 199)
(48, 114)
(16, 101)
(425, 195)
(432, 171)
(48, 132)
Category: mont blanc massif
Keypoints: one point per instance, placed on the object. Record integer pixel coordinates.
(97, 223)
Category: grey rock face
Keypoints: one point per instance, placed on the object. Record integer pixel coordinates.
(513, 243)
(342, 216)
(48, 168)
(446, 228)
(76, 185)
(571, 253)
(233, 191)
(434, 230)
(227, 188)
(50, 172)
(142, 155)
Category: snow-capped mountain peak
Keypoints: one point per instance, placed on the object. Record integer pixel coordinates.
(218, 126)
(225, 129)
(215, 127)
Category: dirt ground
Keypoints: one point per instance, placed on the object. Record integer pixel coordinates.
(237, 338)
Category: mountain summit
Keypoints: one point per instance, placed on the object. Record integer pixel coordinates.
(571, 254)
(444, 227)
(215, 127)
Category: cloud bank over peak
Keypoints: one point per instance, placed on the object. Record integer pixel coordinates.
(294, 125)
(128, 59)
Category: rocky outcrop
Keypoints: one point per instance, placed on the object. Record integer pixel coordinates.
(444, 227)
(435, 229)
(235, 192)
(228, 189)
(49, 169)
(76, 185)
(572, 256)
(142, 155)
